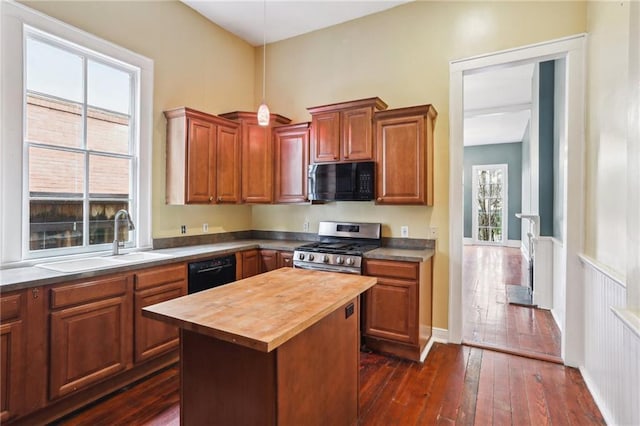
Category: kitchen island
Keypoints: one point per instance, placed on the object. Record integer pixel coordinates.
(277, 348)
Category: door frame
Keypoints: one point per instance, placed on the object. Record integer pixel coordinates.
(572, 49)
(505, 204)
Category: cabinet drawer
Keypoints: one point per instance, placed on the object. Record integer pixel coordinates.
(10, 307)
(393, 269)
(74, 294)
(160, 275)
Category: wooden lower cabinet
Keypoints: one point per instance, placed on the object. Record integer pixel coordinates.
(22, 353)
(155, 285)
(275, 259)
(91, 333)
(397, 310)
(250, 261)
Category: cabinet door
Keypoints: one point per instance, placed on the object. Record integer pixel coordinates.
(392, 310)
(201, 161)
(228, 164)
(12, 356)
(357, 138)
(153, 337)
(291, 164)
(257, 164)
(250, 263)
(325, 137)
(91, 333)
(285, 259)
(269, 260)
(152, 286)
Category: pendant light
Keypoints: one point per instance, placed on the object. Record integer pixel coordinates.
(263, 109)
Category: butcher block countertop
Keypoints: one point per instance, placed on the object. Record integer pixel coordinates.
(264, 311)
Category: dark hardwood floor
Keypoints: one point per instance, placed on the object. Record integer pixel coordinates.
(489, 320)
(456, 385)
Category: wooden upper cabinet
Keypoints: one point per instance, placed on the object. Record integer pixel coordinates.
(228, 164)
(291, 163)
(343, 132)
(195, 143)
(404, 155)
(257, 155)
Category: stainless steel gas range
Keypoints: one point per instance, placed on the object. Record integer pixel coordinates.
(340, 247)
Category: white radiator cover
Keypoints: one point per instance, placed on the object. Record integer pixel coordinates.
(612, 348)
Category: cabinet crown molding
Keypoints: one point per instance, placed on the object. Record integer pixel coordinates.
(375, 103)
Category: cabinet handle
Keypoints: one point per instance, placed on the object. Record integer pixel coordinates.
(35, 292)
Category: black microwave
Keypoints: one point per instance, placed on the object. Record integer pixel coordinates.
(342, 182)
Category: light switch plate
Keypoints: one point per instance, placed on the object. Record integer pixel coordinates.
(404, 231)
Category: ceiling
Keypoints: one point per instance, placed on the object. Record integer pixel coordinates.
(497, 102)
(284, 19)
(497, 105)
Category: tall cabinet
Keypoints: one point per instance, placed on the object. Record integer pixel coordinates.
(257, 155)
(404, 155)
(291, 160)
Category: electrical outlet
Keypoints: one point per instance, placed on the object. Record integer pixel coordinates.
(404, 231)
(433, 233)
(305, 225)
(183, 229)
(205, 227)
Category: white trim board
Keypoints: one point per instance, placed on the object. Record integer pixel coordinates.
(572, 49)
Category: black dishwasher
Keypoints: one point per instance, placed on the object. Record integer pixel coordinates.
(211, 273)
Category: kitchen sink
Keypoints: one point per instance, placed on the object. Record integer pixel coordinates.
(79, 265)
(139, 257)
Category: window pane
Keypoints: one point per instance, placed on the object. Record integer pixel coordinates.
(54, 224)
(107, 131)
(55, 173)
(109, 177)
(108, 87)
(53, 121)
(101, 225)
(53, 71)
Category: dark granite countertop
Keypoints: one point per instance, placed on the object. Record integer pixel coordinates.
(31, 276)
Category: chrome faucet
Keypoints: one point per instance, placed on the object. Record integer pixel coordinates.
(116, 228)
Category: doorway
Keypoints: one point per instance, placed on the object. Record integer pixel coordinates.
(569, 311)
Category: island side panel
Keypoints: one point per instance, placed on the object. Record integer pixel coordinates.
(225, 384)
(317, 372)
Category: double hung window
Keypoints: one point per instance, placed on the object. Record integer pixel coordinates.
(80, 159)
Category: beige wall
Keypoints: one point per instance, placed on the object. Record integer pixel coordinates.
(196, 64)
(607, 106)
(402, 56)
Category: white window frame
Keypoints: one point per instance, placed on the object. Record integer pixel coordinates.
(13, 179)
(505, 202)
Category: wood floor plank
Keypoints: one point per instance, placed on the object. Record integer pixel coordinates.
(496, 388)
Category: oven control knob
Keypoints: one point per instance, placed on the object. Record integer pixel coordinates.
(349, 261)
(311, 257)
(301, 256)
(325, 258)
(339, 260)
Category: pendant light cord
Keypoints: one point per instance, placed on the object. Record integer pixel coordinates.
(264, 50)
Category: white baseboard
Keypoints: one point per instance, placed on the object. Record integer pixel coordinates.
(513, 243)
(439, 335)
(593, 390)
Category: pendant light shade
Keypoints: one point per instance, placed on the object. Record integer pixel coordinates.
(263, 114)
(263, 109)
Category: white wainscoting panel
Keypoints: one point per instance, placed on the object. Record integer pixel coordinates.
(612, 349)
(559, 284)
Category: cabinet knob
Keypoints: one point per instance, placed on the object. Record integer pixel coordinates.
(219, 198)
(378, 199)
(210, 198)
(35, 292)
